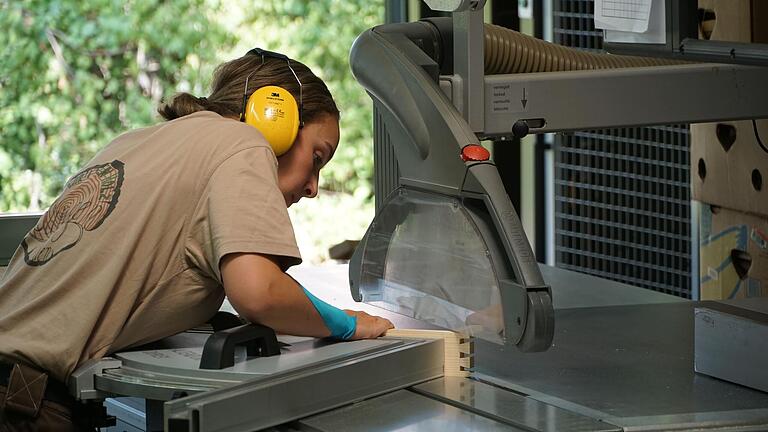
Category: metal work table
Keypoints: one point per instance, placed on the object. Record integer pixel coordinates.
(622, 357)
(629, 365)
(415, 412)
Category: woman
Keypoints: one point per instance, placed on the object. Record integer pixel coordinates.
(165, 221)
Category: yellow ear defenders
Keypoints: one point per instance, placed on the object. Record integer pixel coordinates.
(272, 109)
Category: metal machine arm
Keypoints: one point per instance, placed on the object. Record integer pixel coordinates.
(428, 135)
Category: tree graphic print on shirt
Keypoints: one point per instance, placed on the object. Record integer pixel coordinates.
(87, 200)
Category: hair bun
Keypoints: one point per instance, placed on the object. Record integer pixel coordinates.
(182, 104)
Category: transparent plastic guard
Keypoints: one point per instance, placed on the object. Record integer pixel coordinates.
(425, 258)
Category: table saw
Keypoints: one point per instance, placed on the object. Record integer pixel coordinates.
(622, 359)
(552, 350)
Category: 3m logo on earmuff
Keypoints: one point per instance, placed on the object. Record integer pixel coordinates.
(275, 94)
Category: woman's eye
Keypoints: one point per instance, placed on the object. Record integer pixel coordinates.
(318, 160)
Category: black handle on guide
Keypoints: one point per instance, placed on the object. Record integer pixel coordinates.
(219, 349)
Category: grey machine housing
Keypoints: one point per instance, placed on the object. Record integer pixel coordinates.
(399, 65)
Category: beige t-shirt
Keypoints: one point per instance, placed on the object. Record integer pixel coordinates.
(129, 253)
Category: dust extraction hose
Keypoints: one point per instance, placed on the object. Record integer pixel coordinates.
(508, 51)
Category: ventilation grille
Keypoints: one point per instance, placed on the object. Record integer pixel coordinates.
(622, 196)
(385, 170)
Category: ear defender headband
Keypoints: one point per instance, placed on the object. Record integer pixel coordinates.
(272, 109)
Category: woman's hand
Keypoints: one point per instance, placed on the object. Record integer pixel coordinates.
(369, 326)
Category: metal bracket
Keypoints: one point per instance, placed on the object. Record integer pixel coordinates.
(595, 99)
(82, 384)
(468, 66)
(455, 5)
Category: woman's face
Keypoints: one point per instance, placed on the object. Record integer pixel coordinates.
(298, 170)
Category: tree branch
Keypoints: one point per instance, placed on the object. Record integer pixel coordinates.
(59, 55)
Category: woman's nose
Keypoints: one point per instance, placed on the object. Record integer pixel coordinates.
(310, 190)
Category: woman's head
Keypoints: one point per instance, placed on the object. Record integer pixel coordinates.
(298, 169)
(228, 86)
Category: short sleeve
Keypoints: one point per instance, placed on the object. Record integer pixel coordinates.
(242, 210)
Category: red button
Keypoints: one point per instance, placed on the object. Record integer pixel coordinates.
(475, 152)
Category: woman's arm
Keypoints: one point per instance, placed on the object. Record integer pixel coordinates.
(262, 293)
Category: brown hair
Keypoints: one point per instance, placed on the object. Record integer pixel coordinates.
(228, 84)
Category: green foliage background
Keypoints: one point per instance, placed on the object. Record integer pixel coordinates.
(76, 73)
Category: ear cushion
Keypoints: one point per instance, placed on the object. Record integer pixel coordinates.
(274, 112)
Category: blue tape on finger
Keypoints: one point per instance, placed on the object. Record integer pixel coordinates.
(341, 325)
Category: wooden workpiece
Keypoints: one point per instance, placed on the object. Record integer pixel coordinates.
(457, 348)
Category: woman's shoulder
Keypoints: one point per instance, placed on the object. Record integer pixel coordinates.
(211, 127)
(202, 136)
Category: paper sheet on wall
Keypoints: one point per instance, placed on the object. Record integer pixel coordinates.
(626, 30)
(623, 15)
